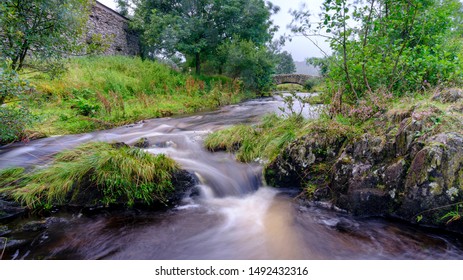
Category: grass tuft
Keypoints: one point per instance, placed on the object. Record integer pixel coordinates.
(94, 174)
(262, 142)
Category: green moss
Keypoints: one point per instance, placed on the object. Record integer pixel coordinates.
(98, 173)
(310, 190)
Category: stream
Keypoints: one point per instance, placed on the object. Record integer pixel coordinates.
(235, 216)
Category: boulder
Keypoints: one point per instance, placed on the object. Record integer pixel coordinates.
(450, 95)
(296, 164)
(404, 171)
(434, 180)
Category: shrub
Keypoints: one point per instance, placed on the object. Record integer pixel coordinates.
(310, 84)
(13, 122)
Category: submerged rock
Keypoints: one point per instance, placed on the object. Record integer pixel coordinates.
(142, 143)
(10, 210)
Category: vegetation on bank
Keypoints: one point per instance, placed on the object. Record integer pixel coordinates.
(265, 140)
(260, 142)
(103, 92)
(94, 174)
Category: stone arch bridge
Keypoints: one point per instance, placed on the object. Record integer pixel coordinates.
(299, 79)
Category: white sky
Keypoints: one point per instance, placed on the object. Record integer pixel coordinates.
(300, 47)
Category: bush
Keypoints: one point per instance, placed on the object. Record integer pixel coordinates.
(11, 85)
(310, 84)
(13, 122)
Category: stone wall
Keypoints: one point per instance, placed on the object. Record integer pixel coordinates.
(114, 29)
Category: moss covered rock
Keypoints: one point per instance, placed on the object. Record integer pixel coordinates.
(407, 168)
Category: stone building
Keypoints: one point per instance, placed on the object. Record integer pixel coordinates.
(114, 29)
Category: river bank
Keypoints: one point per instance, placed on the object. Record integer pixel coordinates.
(406, 162)
(97, 93)
(233, 216)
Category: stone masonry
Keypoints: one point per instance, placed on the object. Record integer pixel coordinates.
(291, 79)
(113, 27)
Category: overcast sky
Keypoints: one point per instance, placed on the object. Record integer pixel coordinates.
(300, 47)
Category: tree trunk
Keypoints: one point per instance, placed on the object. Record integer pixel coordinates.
(198, 64)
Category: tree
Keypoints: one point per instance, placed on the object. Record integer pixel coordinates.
(196, 28)
(322, 63)
(285, 63)
(395, 45)
(42, 29)
(123, 7)
(253, 64)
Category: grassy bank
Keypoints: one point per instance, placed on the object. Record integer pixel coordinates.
(267, 139)
(103, 92)
(94, 174)
(260, 142)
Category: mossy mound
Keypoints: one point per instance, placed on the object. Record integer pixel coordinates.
(95, 174)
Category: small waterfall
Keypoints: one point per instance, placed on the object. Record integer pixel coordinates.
(234, 217)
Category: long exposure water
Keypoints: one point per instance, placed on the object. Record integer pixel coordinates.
(235, 216)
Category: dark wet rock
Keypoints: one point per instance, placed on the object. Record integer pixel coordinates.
(184, 183)
(34, 226)
(10, 210)
(4, 230)
(142, 143)
(90, 197)
(450, 95)
(12, 244)
(435, 178)
(295, 164)
(119, 145)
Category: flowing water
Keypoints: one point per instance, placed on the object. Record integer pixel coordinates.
(234, 217)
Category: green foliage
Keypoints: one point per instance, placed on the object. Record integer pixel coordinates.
(123, 7)
(311, 84)
(397, 46)
(290, 99)
(98, 173)
(43, 29)
(13, 122)
(285, 63)
(12, 86)
(262, 142)
(14, 117)
(454, 215)
(321, 63)
(290, 87)
(197, 28)
(102, 92)
(87, 107)
(10, 176)
(253, 64)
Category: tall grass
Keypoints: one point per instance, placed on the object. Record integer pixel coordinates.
(93, 174)
(260, 142)
(101, 92)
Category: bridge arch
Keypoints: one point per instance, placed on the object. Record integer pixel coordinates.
(299, 79)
